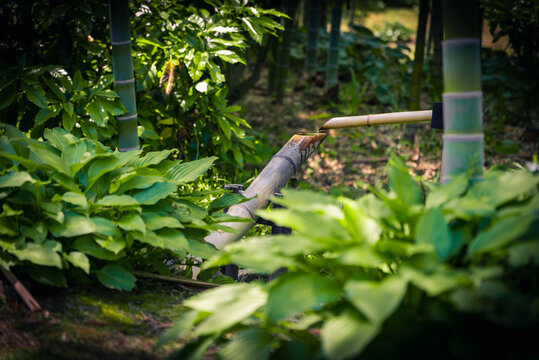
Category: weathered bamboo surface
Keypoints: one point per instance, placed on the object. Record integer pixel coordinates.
(271, 179)
(378, 119)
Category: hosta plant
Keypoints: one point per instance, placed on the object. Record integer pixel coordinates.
(416, 269)
(74, 209)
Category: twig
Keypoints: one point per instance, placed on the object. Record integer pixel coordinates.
(174, 279)
(28, 299)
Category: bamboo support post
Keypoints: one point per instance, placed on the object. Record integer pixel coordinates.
(378, 119)
(175, 279)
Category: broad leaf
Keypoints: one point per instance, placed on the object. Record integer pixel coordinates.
(247, 345)
(155, 193)
(40, 254)
(79, 260)
(190, 171)
(376, 300)
(432, 229)
(74, 225)
(345, 336)
(294, 293)
(116, 277)
(132, 222)
(117, 200)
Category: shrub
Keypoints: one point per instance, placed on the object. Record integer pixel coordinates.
(72, 206)
(420, 268)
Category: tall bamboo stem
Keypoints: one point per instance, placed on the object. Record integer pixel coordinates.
(417, 71)
(437, 31)
(283, 61)
(122, 67)
(332, 78)
(463, 125)
(312, 37)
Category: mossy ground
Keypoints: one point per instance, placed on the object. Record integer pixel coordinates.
(91, 323)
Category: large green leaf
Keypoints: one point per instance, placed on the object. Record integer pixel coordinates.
(79, 260)
(90, 247)
(376, 300)
(74, 225)
(153, 158)
(35, 93)
(454, 188)
(155, 221)
(103, 165)
(75, 199)
(132, 222)
(500, 234)
(311, 224)
(105, 227)
(434, 283)
(138, 182)
(174, 240)
(499, 188)
(228, 304)
(248, 344)
(402, 183)
(15, 179)
(295, 293)
(201, 249)
(182, 326)
(116, 277)
(432, 229)
(47, 157)
(345, 336)
(117, 200)
(190, 171)
(155, 193)
(361, 227)
(41, 254)
(225, 201)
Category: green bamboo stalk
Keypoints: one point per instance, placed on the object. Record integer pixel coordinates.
(436, 24)
(122, 67)
(312, 37)
(332, 77)
(415, 91)
(283, 61)
(463, 125)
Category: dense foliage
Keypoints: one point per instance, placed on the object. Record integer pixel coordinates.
(71, 204)
(180, 53)
(421, 268)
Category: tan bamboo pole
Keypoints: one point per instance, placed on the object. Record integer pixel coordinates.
(377, 119)
(271, 179)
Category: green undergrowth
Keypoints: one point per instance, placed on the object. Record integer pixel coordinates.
(74, 210)
(416, 268)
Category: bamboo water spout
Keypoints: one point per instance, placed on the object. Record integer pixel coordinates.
(285, 163)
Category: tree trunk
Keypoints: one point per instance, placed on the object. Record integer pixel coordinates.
(124, 80)
(312, 37)
(437, 30)
(463, 125)
(415, 93)
(283, 60)
(332, 78)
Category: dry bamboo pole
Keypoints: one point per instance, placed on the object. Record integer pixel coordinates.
(271, 179)
(25, 295)
(378, 119)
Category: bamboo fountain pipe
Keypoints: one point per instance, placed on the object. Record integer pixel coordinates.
(377, 119)
(285, 163)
